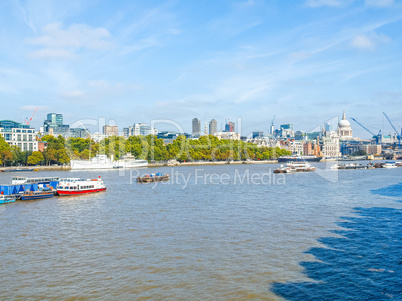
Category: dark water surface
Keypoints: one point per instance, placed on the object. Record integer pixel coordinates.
(233, 232)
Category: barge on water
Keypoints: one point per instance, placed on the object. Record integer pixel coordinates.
(299, 158)
(292, 167)
(155, 177)
(348, 166)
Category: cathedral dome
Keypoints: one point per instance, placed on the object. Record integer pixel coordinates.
(344, 129)
(344, 124)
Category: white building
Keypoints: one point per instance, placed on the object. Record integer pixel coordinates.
(15, 133)
(330, 145)
(344, 130)
(139, 129)
(227, 135)
(98, 137)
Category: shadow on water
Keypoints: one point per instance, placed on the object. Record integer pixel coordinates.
(365, 264)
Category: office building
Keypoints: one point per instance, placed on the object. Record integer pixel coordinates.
(196, 127)
(230, 126)
(139, 129)
(18, 134)
(213, 127)
(111, 130)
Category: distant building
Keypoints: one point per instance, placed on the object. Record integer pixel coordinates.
(330, 145)
(78, 133)
(18, 134)
(54, 126)
(111, 130)
(230, 126)
(344, 130)
(227, 135)
(307, 148)
(258, 134)
(328, 127)
(286, 131)
(42, 146)
(301, 136)
(196, 127)
(98, 137)
(374, 149)
(213, 127)
(139, 129)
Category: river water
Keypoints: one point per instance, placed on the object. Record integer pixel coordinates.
(230, 232)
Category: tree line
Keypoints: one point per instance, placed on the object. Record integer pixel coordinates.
(207, 148)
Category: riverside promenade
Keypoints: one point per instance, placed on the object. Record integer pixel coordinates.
(158, 164)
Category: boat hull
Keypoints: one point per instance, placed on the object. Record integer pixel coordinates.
(299, 159)
(7, 200)
(152, 179)
(36, 196)
(78, 192)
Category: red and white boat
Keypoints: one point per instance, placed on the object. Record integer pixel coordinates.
(74, 186)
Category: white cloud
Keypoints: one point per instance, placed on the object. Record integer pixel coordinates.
(379, 3)
(62, 43)
(369, 41)
(318, 3)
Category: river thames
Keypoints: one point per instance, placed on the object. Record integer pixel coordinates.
(228, 232)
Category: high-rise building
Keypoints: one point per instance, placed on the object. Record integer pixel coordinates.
(213, 127)
(54, 126)
(230, 126)
(111, 130)
(286, 130)
(196, 127)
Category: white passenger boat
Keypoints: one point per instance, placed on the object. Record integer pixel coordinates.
(292, 167)
(389, 165)
(39, 180)
(103, 162)
(75, 186)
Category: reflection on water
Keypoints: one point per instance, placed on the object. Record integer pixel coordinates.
(365, 264)
(206, 241)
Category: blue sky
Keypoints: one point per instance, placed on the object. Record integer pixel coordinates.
(136, 61)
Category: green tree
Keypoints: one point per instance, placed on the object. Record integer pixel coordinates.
(62, 156)
(35, 158)
(50, 156)
(3, 144)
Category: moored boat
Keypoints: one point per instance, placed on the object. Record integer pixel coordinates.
(40, 180)
(18, 169)
(299, 158)
(36, 195)
(348, 166)
(155, 177)
(5, 199)
(389, 165)
(103, 162)
(292, 167)
(75, 186)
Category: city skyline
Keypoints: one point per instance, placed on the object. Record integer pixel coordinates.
(304, 62)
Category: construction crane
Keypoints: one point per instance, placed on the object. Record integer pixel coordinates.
(363, 126)
(30, 119)
(398, 136)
